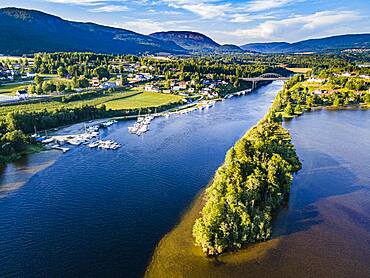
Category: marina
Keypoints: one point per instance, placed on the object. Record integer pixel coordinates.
(90, 134)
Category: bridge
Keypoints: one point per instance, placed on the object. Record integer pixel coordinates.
(264, 77)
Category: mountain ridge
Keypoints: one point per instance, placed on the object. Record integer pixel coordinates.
(20, 29)
(338, 42)
(26, 31)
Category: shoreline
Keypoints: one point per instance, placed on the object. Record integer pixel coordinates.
(176, 255)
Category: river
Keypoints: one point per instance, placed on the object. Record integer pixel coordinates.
(91, 213)
(324, 231)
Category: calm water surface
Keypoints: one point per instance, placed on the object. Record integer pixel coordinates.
(93, 213)
(325, 230)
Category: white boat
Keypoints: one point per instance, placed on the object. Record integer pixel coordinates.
(94, 144)
(132, 129)
(74, 142)
(140, 119)
(56, 147)
(47, 141)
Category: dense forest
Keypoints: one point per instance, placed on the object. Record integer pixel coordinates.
(254, 181)
(257, 174)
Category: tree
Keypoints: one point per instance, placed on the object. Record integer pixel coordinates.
(83, 82)
(288, 111)
(17, 138)
(101, 72)
(38, 79)
(46, 88)
(61, 71)
(60, 87)
(367, 98)
(336, 101)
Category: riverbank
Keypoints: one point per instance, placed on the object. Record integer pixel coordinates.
(177, 256)
(30, 149)
(112, 208)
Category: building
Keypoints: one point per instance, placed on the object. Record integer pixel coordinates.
(22, 94)
(151, 88)
(315, 80)
(182, 85)
(95, 82)
(317, 92)
(30, 75)
(108, 85)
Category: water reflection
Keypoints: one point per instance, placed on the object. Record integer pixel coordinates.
(101, 213)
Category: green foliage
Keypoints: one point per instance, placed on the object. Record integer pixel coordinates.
(101, 72)
(254, 180)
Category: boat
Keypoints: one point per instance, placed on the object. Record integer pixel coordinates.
(74, 142)
(47, 141)
(56, 147)
(107, 124)
(140, 119)
(94, 144)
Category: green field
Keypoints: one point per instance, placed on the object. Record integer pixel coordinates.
(13, 58)
(142, 100)
(10, 89)
(117, 101)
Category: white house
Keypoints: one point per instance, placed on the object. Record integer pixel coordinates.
(30, 75)
(22, 95)
(95, 82)
(317, 92)
(108, 85)
(151, 88)
(315, 80)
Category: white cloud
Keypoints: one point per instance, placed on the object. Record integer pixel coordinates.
(262, 5)
(110, 9)
(85, 2)
(77, 2)
(206, 9)
(296, 27)
(147, 26)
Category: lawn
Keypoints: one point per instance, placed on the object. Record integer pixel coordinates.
(299, 70)
(142, 100)
(14, 58)
(116, 101)
(10, 89)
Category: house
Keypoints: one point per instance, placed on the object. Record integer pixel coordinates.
(119, 82)
(182, 85)
(317, 92)
(30, 75)
(22, 94)
(151, 88)
(205, 91)
(95, 82)
(108, 85)
(315, 80)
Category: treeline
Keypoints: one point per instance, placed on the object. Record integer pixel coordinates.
(76, 64)
(296, 97)
(254, 181)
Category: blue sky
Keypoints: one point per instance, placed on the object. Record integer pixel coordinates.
(226, 21)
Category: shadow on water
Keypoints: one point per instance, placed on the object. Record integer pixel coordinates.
(321, 177)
